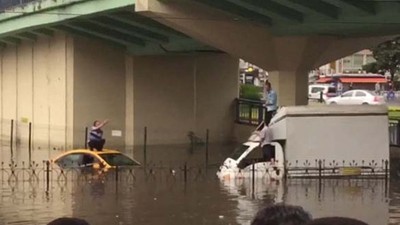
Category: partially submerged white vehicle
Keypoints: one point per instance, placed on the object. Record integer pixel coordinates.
(318, 141)
(248, 161)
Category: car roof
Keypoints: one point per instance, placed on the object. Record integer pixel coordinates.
(87, 151)
(104, 151)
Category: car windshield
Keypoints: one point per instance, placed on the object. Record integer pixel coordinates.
(238, 152)
(118, 159)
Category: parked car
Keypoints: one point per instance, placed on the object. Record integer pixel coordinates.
(357, 97)
(314, 92)
(83, 158)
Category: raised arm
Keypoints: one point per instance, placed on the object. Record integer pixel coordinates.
(102, 124)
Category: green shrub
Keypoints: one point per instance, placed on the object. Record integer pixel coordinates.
(252, 92)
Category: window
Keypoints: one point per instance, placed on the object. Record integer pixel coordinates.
(70, 161)
(358, 60)
(88, 160)
(118, 160)
(256, 155)
(347, 94)
(317, 89)
(360, 94)
(347, 62)
(239, 151)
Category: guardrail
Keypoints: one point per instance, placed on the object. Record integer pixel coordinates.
(249, 112)
(394, 132)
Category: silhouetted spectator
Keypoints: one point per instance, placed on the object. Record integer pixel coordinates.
(68, 221)
(281, 214)
(336, 221)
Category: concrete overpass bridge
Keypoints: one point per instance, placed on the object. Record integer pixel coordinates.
(170, 65)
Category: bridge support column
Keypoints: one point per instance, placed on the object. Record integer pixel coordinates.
(291, 87)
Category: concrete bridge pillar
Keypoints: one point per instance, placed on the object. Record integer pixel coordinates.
(290, 86)
(288, 59)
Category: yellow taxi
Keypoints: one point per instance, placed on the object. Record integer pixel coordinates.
(84, 158)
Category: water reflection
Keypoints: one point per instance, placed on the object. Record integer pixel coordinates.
(206, 200)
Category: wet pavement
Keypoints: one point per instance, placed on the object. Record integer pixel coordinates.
(163, 198)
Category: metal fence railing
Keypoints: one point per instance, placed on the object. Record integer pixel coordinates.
(249, 111)
(394, 132)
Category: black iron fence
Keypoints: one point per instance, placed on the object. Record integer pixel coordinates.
(184, 172)
(394, 132)
(249, 111)
(46, 172)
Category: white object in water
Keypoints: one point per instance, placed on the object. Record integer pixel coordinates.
(247, 160)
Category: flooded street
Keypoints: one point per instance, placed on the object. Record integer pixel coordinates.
(161, 196)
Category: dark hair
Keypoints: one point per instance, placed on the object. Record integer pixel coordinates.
(281, 214)
(336, 221)
(94, 123)
(68, 221)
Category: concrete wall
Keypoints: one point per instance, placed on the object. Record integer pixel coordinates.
(35, 82)
(62, 84)
(177, 94)
(99, 90)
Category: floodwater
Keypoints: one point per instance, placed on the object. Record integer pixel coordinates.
(165, 196)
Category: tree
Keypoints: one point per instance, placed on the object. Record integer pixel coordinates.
(387, 55)
(372, 67)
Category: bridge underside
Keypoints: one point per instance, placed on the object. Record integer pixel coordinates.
(113, 22)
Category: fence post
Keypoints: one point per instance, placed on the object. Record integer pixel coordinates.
(319, 178)
(185, 172)
(12, 139)
(145, 148)
(319, 169)
(250, 112)
(253, 174)
(116, 173)
(47, 175)
(386, 170)
(30, 144)
(260, 114)
(86, 137)
(207, 142)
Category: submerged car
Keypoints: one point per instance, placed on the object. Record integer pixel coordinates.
(83, 158)
(248, 160)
